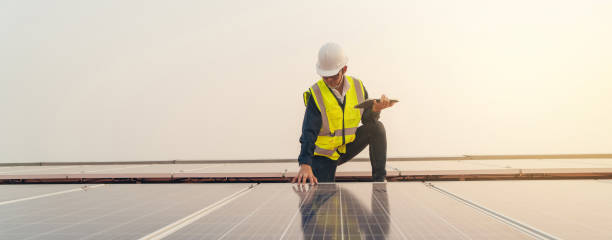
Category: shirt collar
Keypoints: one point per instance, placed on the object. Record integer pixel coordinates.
(345, 87)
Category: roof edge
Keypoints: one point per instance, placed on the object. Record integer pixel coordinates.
(433, 158)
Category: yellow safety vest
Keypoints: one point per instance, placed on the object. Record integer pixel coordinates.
(338, 127)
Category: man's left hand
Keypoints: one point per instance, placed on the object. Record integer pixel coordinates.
(382, 104)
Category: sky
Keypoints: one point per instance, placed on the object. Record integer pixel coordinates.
(215, 80)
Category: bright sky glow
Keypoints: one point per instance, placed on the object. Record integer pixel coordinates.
(159, 80)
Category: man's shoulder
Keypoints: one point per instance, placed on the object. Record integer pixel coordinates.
(356, 78)
(362, 85)
(306, 96)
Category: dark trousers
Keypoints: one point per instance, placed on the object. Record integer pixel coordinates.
(372, 134)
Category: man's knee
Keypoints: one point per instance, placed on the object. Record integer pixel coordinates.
(375, 126)
(378, 129)
(379, 125)
(324, 169)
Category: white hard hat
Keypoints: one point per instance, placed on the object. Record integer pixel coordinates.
(331, 59)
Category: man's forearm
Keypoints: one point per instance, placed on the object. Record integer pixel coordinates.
(310, 130)
(306, 153)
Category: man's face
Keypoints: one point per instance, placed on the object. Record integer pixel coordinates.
(334, 81)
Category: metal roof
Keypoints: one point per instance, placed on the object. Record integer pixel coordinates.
(283, 171)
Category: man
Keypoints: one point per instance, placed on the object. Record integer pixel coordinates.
(331, 134)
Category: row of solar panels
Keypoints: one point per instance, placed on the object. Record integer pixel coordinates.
(569, 209)
(292, 166)
(282, 171)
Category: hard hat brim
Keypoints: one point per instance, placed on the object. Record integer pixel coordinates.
(328, 73)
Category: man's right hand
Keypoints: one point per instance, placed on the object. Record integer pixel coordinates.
(304, 175)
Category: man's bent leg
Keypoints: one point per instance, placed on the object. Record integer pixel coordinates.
(375, 136)
(324, 169)
(378, 153)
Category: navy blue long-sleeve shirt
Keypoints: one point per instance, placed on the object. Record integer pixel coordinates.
(312, 125)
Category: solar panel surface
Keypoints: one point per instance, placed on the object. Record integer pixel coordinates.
(568, 209)
(117, 211)
(14, 192)
(347, 211)
(571, 209)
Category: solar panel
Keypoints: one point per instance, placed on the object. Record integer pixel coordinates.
(347, 210)
(544, 209)
(569, 209)
(109, 212)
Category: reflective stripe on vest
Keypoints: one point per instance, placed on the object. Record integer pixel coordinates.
(359, 89)
(324, 151)
(341, 126)
(324, 120)
(347, 131)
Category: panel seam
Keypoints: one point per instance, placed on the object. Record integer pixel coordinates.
(183, 222)
(532, 231)
(84, 188)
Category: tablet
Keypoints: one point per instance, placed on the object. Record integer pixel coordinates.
(369, 102)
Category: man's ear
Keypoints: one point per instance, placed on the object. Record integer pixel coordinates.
(344, 70)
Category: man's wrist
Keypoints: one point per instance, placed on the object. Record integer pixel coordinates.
(307, 161)
(375, 109)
